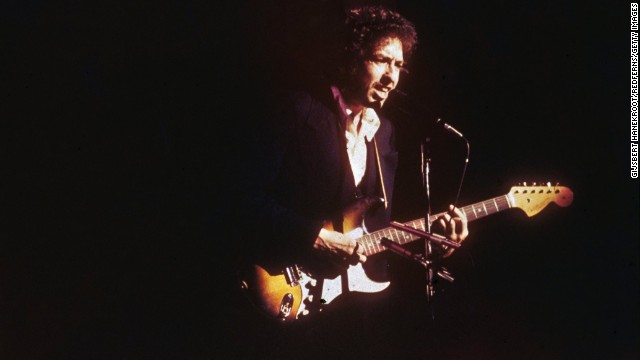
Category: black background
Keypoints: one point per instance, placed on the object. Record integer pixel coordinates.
(125, 127)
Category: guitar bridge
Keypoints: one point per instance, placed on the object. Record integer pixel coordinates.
(292, 275)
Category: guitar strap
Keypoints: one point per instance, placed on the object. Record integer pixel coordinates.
(384, 191)
(344, 167)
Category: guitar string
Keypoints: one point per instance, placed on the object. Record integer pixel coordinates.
(371, 241)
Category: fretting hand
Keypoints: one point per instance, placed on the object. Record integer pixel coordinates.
(343, 245)
(453, 224)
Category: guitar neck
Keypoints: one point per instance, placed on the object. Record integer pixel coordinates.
(371, 241)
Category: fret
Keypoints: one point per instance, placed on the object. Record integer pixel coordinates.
(406, 237)
(475, 215)
(399, 237)
(376, 238)
(368, 246)
(395, 235)
(371, 241)
(376, 246)
(387, 233)
(382, 234)
(392, 236)
(372, 244)
(363, 242)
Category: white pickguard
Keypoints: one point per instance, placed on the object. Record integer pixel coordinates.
(356, 278)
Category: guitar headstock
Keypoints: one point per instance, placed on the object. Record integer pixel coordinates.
(533, 198)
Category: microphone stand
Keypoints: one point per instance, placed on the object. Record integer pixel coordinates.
(426, 161)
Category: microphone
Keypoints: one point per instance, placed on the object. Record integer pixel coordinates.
(449, 128)
(439, 239)
(405, 253)
(466, 161)
(418, 259)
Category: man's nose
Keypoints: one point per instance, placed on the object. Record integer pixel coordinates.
(391, 74)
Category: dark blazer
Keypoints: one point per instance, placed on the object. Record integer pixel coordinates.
(307, 180)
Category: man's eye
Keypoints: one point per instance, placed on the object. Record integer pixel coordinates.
(389, 62)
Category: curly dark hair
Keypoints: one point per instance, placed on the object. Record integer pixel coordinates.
(367, 25)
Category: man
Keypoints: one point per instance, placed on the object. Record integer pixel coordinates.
(330, 164)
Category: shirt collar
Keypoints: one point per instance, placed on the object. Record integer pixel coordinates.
(369, 117)
(370, 123)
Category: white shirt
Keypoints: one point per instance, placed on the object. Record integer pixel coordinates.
(364, 125)
(358, 128)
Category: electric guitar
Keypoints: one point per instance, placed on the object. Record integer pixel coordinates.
(295, 291)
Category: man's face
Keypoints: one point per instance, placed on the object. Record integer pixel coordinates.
(378, 74)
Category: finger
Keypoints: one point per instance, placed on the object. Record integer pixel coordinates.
(338, 243)
(443, 223)
(359, 252)
(356, 247)
(460, 229)
(458, 213)
(464, 229)
(454, 212)
(464, 234)
(343, 243)
(447, 218)
(451, 229)
(461, 218)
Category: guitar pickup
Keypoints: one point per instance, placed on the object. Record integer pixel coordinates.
(292, 275)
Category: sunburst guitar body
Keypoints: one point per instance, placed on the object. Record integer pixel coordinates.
(295, 291)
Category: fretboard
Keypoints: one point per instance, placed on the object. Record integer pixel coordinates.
(371, 241)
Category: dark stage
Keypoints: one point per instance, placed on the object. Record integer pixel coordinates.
(125, 126)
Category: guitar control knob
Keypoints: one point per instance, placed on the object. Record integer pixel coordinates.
(285, 306)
